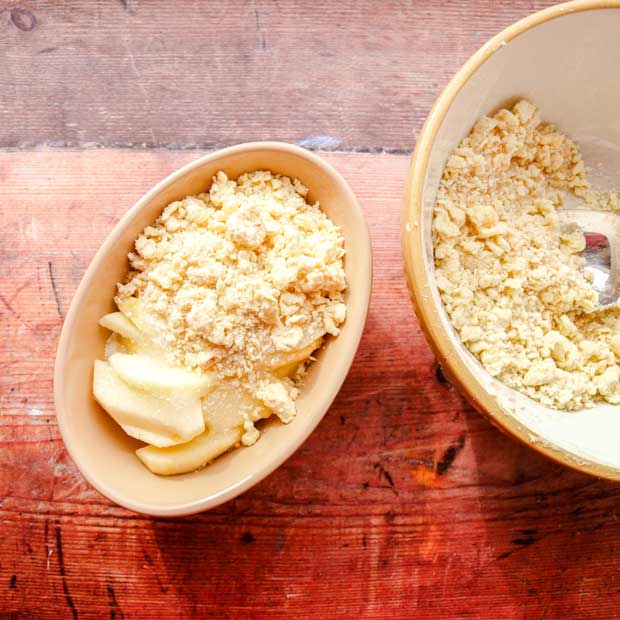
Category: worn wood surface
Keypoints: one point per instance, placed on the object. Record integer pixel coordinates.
(350, 75)
(404, 503)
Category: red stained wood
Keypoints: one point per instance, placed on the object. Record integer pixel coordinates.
(404, 503)
(352, 75)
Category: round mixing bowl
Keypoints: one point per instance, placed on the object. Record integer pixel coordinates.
(564, 60)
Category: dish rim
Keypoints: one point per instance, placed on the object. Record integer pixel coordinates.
(60, 363)
(412, 245)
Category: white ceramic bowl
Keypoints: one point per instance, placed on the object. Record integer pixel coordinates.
(566, 60)
(98, 446)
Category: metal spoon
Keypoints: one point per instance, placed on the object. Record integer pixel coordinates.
(602, 252)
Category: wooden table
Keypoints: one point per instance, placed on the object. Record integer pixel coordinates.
(404, 503)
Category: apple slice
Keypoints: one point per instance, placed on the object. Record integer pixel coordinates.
(147, 322)
(223, 410)
(117, 344)
(127, 335)
(189, 456)
(286, 371)
(225, 406)
(284, 363)
(153, 419)
(117, 322)
(153, 375)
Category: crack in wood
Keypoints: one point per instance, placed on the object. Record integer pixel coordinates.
(387, 475)
(55, 289)
(448, 457)
(63, 576)
(149, 560)
(520, 543)
(8, 306)
(60, 145)
(440, 375)
(115, 610)
(261, 35)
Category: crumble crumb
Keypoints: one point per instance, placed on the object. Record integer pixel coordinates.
(227, 280)
(511, 279)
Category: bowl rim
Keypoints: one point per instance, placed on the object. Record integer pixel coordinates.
(246, 482)
(413, 248)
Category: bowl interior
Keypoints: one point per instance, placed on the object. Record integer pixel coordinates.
(99, 447)
(568, 67)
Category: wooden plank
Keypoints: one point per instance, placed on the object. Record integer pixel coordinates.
(194, 75)
(403, 503)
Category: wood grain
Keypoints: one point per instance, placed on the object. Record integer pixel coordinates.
(349, 75)
(404, 503)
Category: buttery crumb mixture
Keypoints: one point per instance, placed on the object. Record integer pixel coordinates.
(234, 279)
(512, 280)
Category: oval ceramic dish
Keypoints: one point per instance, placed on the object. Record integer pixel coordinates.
(565, 60)
(101, 450)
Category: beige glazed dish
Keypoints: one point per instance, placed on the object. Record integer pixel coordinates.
(99, 447)
(564, 60)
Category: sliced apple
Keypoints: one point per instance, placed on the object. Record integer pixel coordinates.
(286, 362)
(153, 375)
(225, 406)
(189, 456)
(149, 437)
(117, 322)
(286, 371)
(153, 419)
(223, 411)
(117, 344)
(146, 322)
(127, 334)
